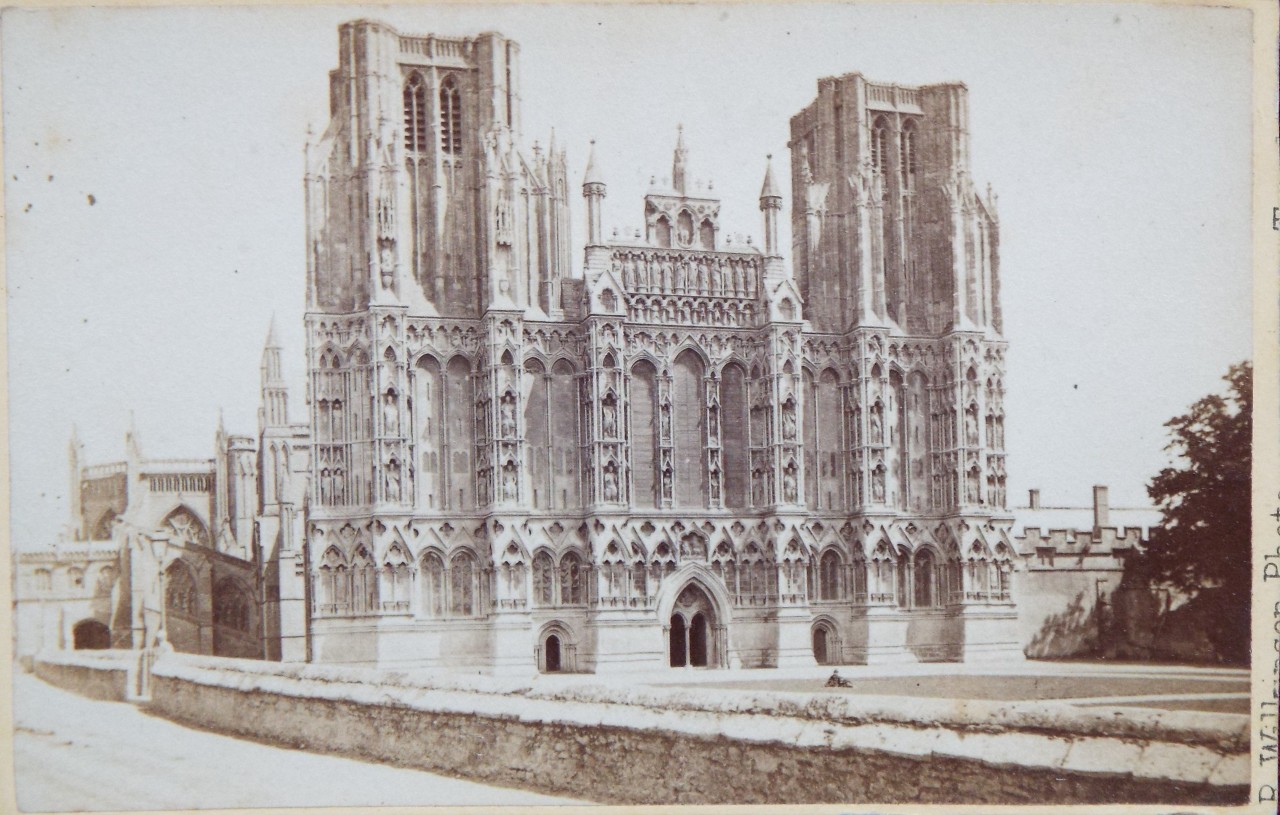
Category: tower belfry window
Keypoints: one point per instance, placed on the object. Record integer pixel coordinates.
(879, 135)
(415, 114)
(450, 119)
(909, 158)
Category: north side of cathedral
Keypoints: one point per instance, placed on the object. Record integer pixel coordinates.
(682, 449)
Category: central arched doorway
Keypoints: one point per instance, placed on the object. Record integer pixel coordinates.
(693, 630)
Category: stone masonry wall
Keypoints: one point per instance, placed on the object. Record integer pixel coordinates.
(96, 679)
(669, 746)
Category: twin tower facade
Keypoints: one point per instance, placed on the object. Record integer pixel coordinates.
(676, 450)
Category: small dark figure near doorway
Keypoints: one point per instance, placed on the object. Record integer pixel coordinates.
(837, 681)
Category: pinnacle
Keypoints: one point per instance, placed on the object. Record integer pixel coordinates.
(592, 175)
(770, 188)
(272, 341)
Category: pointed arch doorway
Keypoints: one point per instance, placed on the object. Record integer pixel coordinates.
(695, 638)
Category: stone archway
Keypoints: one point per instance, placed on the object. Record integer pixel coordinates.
(551, 654)
(91, 635)
(694, 635)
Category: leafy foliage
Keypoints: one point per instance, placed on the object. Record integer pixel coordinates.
(1203, 544)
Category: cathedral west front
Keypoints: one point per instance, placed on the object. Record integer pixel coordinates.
(679, 451)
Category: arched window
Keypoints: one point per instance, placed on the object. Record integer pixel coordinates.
(415, 114)
(563, 417)
(179, 589)
(644, 434)
(334, 583)
(707, 234)
(185, 528)
(544, 580)
(428, 407)
(102, 529)
(916, 443)
(639, 586)
(733, 436)
(830, 585)
(231, 605)
(903, 580)
(75, 577)
(572, 580)
(926, 593)
(395, 580)
(44, 580)
(537, 420)
(908, 149)
(613, 572)
(460, 409)
(432, 585)
(689, 431)
(450, 118)
(662, 232)
(879, 145)
(463, 595)
(364, 583)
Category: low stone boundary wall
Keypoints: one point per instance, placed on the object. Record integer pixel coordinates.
(104, 675)
(705, 746)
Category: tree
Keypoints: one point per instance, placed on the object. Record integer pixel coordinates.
(1202, 547)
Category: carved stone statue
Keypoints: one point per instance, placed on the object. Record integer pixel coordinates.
(789, 421)
(666, 421)
(507, 416)
(877, 427)
(971, 428)
(877, 486)
(789, 485)
(390, 414)
(391, 481)
(609, 419)
(611, 483)
(510, 489)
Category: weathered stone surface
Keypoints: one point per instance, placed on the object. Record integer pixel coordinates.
(571, 746)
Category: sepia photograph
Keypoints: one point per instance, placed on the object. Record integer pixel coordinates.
(608, 404)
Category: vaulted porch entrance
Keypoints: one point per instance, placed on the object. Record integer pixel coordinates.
(695, 640)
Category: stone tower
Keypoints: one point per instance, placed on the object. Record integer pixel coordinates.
(417, 193)
(887, 227)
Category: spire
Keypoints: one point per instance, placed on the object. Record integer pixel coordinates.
(592, 175)
(273, 410)
(770, 188)
(679, 162)
(272, 341)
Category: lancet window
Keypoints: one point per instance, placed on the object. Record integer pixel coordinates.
(450, 118)
(231, 605)
(179, 589)
(733, 436)
(690, 431)
(415, 114)
(644, 434)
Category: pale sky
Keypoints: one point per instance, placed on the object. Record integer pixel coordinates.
(154, 210)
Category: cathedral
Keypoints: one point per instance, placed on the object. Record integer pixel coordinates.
(680, 451)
